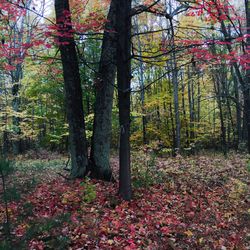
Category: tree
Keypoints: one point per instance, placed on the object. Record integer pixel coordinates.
(123, 29)
(16, 38)
(104, 85)
(73, 91)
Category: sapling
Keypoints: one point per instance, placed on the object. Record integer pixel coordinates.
(6, 167)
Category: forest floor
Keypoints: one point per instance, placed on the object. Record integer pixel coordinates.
(196, 202)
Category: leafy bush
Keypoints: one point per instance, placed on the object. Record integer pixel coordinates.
(144, 170)
(6, 167)
(89, 193)
(12, 194)
(5, 245)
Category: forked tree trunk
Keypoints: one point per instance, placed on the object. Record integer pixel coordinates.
(105, 80)
(73, 91)
(123, 29)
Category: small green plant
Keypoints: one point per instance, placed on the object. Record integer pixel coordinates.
(248, 166)
(89, 193)
(6, 168)
(144, 171)
(5, 245)
(46, 225)
(12, 194)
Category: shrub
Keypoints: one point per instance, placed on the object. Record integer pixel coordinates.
(144, 170)
(89, 193)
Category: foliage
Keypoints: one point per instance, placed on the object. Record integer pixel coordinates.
(89, 191)
(6, 167)
(144, 170)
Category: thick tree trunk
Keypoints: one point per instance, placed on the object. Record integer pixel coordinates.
(73, 91)
(123, 29)
(105, 80)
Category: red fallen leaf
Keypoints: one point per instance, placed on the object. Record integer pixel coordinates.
(20, 230)
(165, 230)
(190, 214)
(65, 231)
(36, 245)
(132, 230)
(131, 245)
(223, 225)
(74, 219)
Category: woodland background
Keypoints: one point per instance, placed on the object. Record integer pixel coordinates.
(152, 96)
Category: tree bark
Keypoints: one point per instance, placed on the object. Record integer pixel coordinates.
(123, 29)
(176, 91)
(191, 107)
(73, 91)
(105, 80)
(141, 81)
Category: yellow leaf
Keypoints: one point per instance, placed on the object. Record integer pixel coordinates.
(110, 242)
(64, 201)
(188, 233)
(200, 240)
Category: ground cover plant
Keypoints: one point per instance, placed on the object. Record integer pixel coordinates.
(199, 202)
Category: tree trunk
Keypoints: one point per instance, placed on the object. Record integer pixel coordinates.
(217, 81)
(191, 106)
(123, 29)
(16, 144)
(184, 109)
(105, 80)
(141, 81)
(238, 110)
(176, 91)
(73, 91)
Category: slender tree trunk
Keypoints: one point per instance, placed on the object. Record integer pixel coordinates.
(176, 91)
(199, 103)
(172, 118)
(141, 81)
(16, 120)
(123, 29)
(217, 89)
(184, 110)
(238, 109)
(191, 110)
(73, 91)
(105, 80)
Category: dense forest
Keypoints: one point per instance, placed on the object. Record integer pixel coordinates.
(124, 124)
